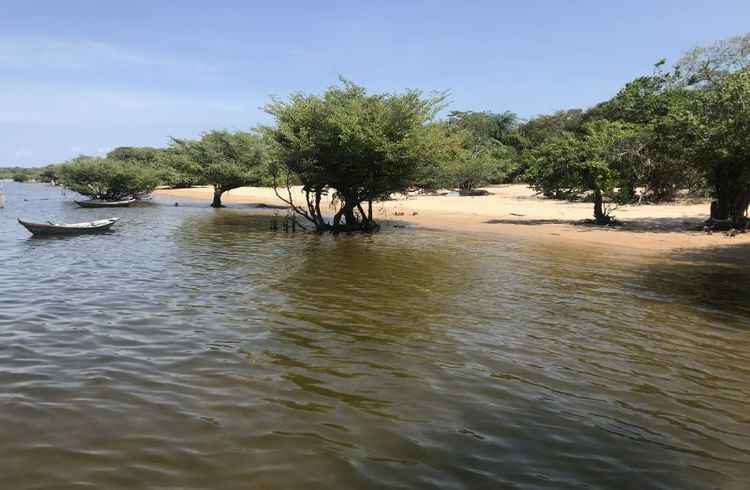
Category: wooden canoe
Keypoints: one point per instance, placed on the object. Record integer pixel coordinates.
(69, 229)
(97, 203)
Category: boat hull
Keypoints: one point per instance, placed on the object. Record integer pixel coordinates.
(105, 204)
(41, 229)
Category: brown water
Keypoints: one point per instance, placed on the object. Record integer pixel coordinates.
(194, 348)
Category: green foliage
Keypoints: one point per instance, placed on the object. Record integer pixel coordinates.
(18, 174)
(572, 163)
(536, 131)
(51, 174)
(466, 162)
(222, 159)
(143, 154)
(164, 161)
(641, 101)
(485, 126)
(109, 179)
(361, 147)
(491, 158)
(712, 130)
(650, 163)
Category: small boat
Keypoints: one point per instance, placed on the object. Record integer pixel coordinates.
(98, 203)
(69, 229)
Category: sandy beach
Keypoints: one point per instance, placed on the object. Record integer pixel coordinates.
(516, 211)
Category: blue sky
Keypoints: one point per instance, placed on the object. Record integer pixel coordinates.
(87, 76)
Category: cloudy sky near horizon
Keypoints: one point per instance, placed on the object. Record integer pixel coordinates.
(86, 76)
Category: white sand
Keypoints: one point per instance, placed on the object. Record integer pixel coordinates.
(516, 211)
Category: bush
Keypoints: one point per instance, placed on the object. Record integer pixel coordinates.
(108, 179)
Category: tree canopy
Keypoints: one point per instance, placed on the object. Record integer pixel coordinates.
(108, 179)
(589, 161)
(226, 160)
(712, 130)
(353, 147)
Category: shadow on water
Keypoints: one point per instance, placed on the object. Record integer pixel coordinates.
(715, 280)
(374, 341)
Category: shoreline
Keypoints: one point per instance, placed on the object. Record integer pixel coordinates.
(514, 211)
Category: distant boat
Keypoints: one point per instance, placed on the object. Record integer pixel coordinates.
(98, 203)
(69, 229)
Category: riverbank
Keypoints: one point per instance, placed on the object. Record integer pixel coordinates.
(516, 211)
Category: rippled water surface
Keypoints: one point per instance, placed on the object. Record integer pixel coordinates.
(195, 348)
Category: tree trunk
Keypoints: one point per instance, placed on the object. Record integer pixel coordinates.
(721, 210)
(217, 198)
(600, 216)
(351, 220)
(739, 211)
(731, 196)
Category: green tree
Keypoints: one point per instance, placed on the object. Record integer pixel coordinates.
(165, 161)
(223, 159)
(486, 126)
(108, 179)
(582, 162)
(176, 170)
(491, 157)
(713, 131)
(19, 174)
(536, 131)
(358, 147)
(650, 162)
(142, 154)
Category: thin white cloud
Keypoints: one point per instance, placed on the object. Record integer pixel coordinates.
(62, 54)
(80, 96)
(56, 104)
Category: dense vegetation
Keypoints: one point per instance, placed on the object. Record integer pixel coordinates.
(17, 174)
(684, 128)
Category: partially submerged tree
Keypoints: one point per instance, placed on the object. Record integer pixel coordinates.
(108, 179)
(222, 159)
(351, 146)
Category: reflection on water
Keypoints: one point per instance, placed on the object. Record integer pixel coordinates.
(195, 348)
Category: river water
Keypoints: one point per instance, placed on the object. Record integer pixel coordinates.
(196, 348)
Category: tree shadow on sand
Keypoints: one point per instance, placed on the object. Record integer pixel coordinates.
(650, 225)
